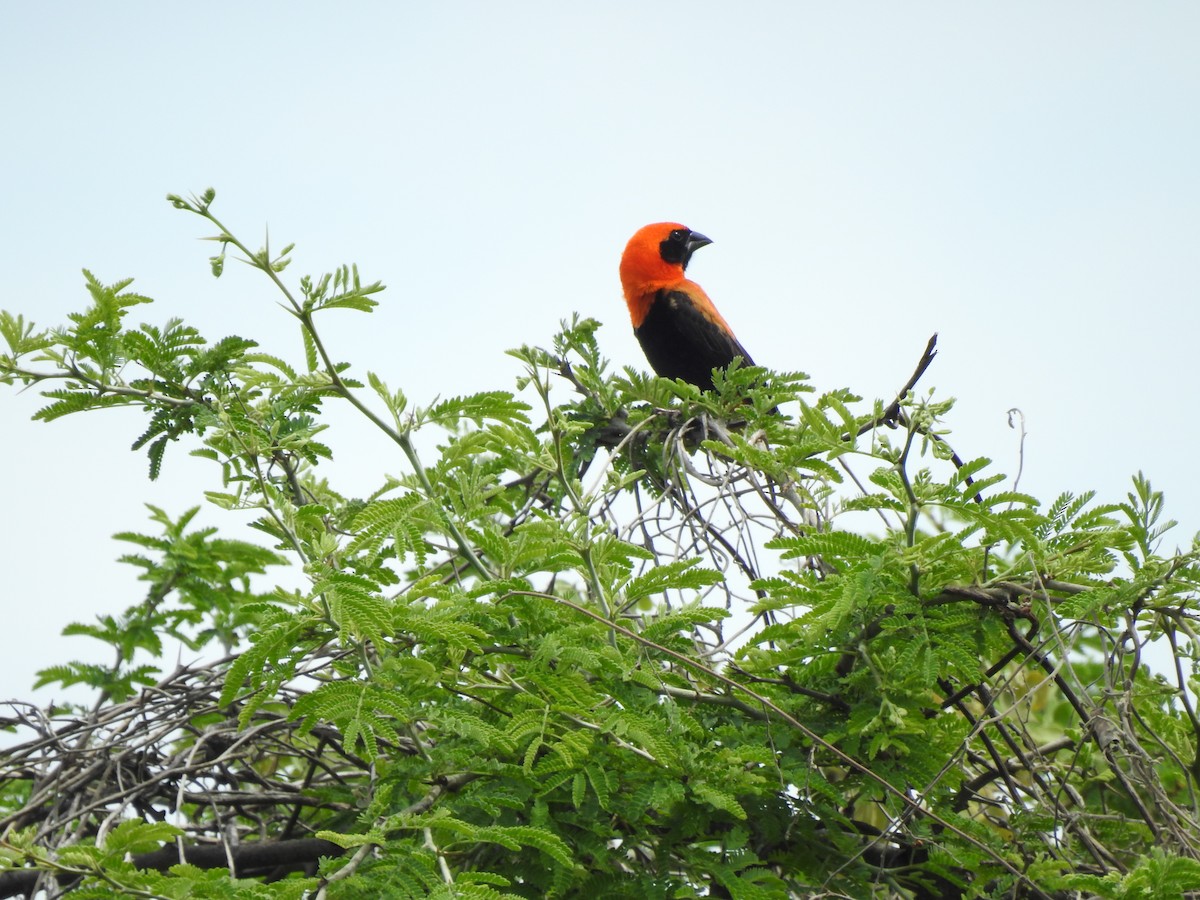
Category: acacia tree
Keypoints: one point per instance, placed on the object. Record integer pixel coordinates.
(612, 637)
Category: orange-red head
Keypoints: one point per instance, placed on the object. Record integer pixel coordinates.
(655, 258)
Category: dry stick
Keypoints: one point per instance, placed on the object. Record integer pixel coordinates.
(253, 858)
(1099, 728)
(894, 415)
(178, 697)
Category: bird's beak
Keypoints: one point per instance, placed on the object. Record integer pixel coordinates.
(695, 241)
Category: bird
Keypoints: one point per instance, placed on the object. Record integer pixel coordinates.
(679, 328)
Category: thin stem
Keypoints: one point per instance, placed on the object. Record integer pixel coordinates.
(403, 438)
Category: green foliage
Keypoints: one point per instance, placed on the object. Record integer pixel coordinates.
(199, 594)
(615, 637)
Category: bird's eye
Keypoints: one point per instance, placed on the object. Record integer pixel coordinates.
(675, 248)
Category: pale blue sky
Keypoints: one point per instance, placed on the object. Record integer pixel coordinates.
(1020, 177)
